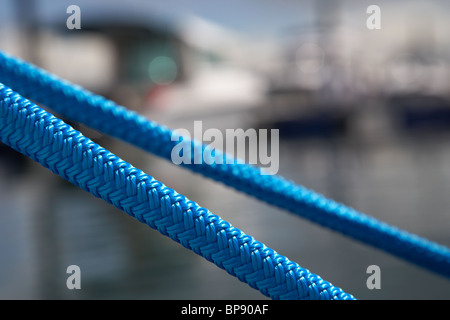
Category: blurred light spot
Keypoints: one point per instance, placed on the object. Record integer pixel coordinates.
(162, 70)
(310, 58)
(408, 72)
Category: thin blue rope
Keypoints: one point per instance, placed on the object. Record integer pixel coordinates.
(106, 116)
(46, 139)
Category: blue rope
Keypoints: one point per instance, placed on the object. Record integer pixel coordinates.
(46, 139)
(106, 116)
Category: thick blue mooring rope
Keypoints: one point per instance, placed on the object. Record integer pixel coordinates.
(106, 116)
(46, 139)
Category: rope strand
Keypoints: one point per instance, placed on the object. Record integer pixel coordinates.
(106, 116)
(48, 140)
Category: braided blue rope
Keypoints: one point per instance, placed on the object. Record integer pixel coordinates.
(99, 113)
(48, 140)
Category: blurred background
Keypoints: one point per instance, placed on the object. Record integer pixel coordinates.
(364, 118)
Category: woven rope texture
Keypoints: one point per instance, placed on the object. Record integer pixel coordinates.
(101, 114)
(48, 140)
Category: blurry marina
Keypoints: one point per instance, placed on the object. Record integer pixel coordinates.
(364, 118)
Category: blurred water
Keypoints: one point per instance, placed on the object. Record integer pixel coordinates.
(47, 225)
